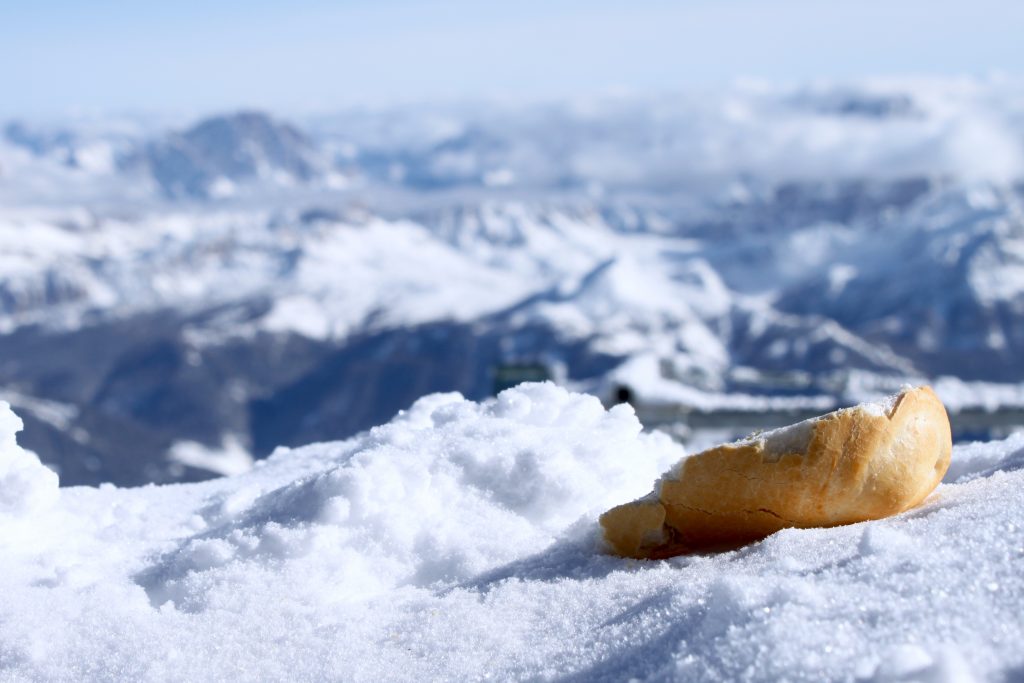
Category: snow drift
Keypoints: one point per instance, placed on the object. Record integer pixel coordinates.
(448, 490)
(26, 485)
(458, 542)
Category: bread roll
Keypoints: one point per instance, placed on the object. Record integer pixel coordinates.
(865, 462)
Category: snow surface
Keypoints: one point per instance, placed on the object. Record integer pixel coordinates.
(459, 542)
(26, 485)
(230, 458)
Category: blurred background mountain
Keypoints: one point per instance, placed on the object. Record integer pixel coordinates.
(180, 293)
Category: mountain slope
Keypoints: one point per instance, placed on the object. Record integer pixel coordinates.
(214, 155)
(946, 290)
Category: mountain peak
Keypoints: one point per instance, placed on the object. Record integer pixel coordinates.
(214, 155)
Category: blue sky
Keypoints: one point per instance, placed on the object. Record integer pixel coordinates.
(59, 56)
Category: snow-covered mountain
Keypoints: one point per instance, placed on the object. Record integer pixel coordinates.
(213, 156)
(248, 327)
(228, 286)
(944, 286)
(740, 143)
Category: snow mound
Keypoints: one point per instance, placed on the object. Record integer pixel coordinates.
(449, 489)
(26, 485)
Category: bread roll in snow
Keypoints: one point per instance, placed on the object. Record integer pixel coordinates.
(860, 463)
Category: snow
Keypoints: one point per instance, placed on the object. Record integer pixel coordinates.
(459, 542)
(26, 485)
(956, 394)
(230, 458)
(643, 374)
(298, 314)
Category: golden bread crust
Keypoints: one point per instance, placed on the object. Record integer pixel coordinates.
(858, 465)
